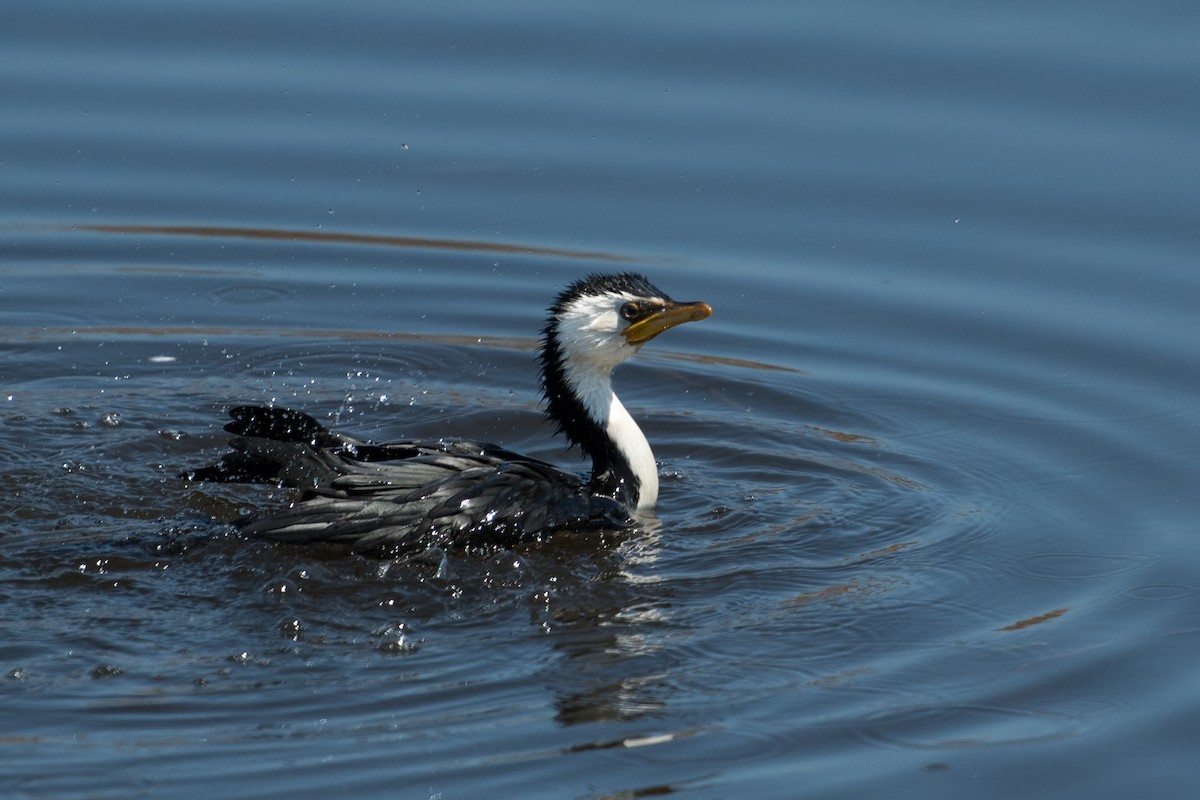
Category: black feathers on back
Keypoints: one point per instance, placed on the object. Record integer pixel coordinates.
(384, 499)
(281, 424)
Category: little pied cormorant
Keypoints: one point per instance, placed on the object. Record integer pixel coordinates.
(400, 496)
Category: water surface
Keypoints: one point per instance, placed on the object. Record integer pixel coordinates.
(929, 503)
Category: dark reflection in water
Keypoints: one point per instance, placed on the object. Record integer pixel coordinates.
(346, 238)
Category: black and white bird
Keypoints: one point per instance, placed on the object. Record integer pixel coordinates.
(400, 496)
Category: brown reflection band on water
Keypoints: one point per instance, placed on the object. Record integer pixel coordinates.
(352, 238)
(14, 334)
(1029, 622)
(700, 358)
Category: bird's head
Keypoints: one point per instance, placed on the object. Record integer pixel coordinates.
(602, 320)
(594, 325)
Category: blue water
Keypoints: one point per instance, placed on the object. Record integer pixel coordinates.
(930, 484)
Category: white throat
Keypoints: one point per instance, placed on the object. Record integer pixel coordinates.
(633, 445)
(594, 389)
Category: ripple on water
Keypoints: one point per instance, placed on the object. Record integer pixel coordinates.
(1090, 403)
(81, 782)
(1160, 591)
(1077, 566)
(951, 726)
(250, 294)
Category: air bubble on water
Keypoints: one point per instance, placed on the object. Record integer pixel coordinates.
(396, 638)
(289, 628)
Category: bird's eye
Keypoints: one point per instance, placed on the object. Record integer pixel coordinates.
(629, 311)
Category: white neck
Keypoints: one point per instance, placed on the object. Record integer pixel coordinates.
(594, 389)
(632, 443)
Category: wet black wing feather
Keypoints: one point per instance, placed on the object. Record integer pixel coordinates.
(402, 495)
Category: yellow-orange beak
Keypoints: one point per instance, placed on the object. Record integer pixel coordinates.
(643, 330)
